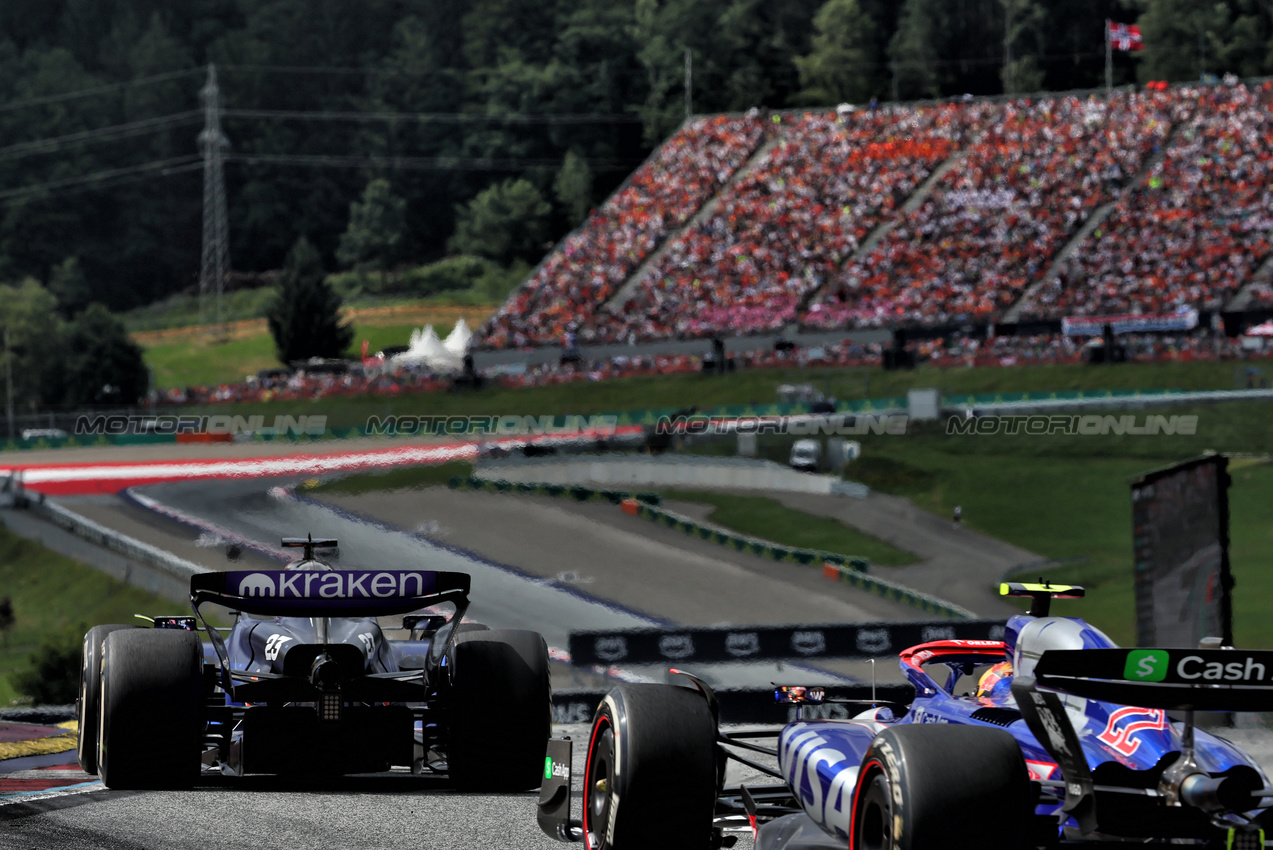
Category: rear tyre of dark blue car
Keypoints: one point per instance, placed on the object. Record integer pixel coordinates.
(500, 706)
(152, 709)
(940, 786)
(88, 704)
(651, 778)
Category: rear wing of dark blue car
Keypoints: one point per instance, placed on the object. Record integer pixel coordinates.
(330, 593)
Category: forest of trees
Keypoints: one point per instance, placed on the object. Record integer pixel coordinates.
(510, 119)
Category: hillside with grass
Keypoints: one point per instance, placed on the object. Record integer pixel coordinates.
(55, 600)
(181, 353)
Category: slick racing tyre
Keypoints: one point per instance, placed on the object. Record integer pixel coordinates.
(152, 700)
(501, 710)
(88, 704)
(651, 777)
(950, 787)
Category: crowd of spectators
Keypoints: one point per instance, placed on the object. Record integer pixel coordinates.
(1193, 231)
(592, 262)
(996, 220)
(781, 231)
(1185, 170)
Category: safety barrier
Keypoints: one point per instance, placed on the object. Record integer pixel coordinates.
(580, 494)
(629, 471)
(123, 544)
(741, 542)
(896, 592)
(849, 569)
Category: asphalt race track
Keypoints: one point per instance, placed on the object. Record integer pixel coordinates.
(369, 813)
(550, 595)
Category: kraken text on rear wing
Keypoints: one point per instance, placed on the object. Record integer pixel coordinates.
(342, 593)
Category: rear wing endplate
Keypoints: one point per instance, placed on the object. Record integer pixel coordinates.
(1045, 716)
(553, 812)
(319, 593)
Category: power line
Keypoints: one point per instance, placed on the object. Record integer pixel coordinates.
(102, 89)
(440, 117)
(420, 163)
(318, 69)
(103, 179)
(102, 134)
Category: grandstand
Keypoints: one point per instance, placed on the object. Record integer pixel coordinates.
(930, 215)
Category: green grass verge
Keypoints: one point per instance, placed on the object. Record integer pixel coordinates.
(1070, 498)
(402, 478)
(52, 596)
(199, 361)
(760, 516)
(191, 361)
(182, 311)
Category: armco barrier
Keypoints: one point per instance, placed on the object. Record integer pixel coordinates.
(171, 572)
(122, 543)
(616, 471)
(742, 543)
(896, 592)
(845, 568)
(581, 494)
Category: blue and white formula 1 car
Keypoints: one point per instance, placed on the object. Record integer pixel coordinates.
(306, 683)
(1053, 756)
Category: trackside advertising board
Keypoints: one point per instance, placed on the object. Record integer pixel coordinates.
(769, 643)
(1180, 518)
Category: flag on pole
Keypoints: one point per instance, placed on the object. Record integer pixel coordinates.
(1125, 37)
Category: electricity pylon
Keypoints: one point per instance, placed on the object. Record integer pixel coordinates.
(215, 266)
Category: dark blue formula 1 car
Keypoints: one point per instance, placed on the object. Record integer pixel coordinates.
(1072, 748)
(305, 682)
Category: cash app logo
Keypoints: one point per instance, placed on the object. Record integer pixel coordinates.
(1146, 665)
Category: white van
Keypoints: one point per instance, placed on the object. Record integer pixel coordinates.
(806, 455)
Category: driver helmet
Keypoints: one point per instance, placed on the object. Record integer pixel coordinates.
(996, 681)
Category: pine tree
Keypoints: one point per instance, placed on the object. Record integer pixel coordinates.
(842, 65)
(305, 316)
(375, 230)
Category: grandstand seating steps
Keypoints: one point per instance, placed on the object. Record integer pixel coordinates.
(929, 214)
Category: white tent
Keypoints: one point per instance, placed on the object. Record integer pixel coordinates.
(427, 350)
(457, 341)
